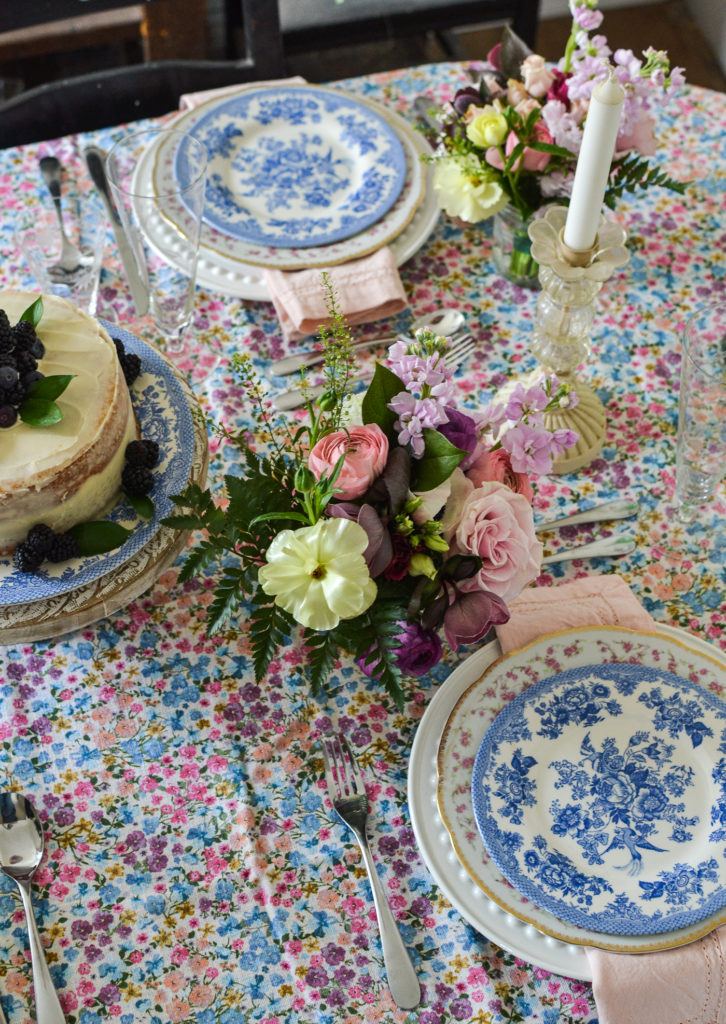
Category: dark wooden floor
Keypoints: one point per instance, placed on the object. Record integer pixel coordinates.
(665, 26)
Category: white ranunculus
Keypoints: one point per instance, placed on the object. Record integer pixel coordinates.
(318, 573)
(467, 191)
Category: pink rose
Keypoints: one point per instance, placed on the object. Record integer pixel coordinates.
(366, 452)
(531, 158)
(537, 76)
(496, 524)
(497, 466)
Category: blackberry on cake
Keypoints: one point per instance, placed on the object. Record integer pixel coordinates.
(8, 416)
(63, 547)
(26, 559)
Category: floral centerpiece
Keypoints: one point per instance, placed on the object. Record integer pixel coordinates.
(509, 144)
(378, 522)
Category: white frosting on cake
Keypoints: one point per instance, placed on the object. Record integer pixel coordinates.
(71, 471)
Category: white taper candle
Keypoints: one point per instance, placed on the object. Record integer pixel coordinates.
(593, 164)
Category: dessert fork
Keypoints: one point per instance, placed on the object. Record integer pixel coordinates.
(348, 795)
(295, 397)
(71, 258)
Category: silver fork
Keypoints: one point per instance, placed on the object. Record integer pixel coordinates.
(292, 398)
(348, 794)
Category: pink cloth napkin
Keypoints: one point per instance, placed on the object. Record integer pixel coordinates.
(674, 986)
(366, 289)
(193, 99)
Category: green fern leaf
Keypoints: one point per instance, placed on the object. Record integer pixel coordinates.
(269, 626)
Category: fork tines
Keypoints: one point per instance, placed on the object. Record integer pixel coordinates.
(341, 769)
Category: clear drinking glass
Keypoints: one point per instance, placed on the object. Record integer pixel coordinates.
(701, 449)
(38, 237)
(179, 203)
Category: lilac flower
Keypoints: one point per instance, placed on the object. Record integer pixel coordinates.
(563, 125)
(529, 448)
(587, 19)
(415, 414)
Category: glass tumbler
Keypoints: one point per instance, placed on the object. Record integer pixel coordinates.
(701, 447)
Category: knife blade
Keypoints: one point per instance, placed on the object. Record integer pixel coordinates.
(95, 161)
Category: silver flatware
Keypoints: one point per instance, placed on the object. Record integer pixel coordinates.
(606, 547)
(96, 163)
(348, 794)
(71, 258)
(444, 321)
(21, 851)
(618, 508)
(293, 398)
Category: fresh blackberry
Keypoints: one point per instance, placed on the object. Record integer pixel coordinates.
(8, 416)
(63, 547)
(7, 342)
(8, 377)
(142, 453)
(26, 559)
(137, 479)
(24, 334)
(26, 362)
(120, 350)
(14, 395)
(40, 538)
(131, 366)
(9, 359)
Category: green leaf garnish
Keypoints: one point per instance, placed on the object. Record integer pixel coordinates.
(40, 412)
(439, 460)
(34, 312)
(141, 503)
(50, 387)
(384, 386)
(98, 537)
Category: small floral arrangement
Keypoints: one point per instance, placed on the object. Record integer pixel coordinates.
(378, 521)
(515, 136)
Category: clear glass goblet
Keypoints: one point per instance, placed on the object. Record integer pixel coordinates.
(158, 181)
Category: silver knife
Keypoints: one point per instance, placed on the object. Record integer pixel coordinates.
(95, 161)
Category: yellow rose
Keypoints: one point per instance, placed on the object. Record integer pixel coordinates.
(488, 128)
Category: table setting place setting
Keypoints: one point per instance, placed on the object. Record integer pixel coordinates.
(362, 552)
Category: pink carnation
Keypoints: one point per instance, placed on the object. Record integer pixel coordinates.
(366, 452)
(496, 524)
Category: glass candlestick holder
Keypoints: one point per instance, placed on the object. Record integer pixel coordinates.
(564, 316)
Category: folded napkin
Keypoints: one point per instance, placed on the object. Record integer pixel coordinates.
(365, 289)
(675, 986)
(193, 99)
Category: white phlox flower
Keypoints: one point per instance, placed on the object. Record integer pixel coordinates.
(318, 573)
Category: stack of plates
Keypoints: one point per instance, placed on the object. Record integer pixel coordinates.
(573, 793)
(72, 594)
(299, 176)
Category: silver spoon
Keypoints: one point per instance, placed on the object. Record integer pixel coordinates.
(21, 851)
(444, 321)
(618, 508)
(605, 547)
(70, 258)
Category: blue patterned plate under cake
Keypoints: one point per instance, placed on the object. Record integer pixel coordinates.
(298, 166)
(163, 413)
(600, 793)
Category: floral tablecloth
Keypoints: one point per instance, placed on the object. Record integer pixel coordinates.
(193, 871)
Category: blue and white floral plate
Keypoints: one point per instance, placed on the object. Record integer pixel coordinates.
(298, 166)
(162, 407)
(600, 790)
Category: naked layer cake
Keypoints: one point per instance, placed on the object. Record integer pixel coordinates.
(69, 472)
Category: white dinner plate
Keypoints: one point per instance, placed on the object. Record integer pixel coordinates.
(297, 165)
(466, 880)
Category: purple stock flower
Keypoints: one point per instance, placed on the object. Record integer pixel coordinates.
(472, 615)
(587, 18)
(415, 414)
(529, 448)
(524, 401)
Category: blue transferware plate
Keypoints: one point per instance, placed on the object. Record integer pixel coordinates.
(600, 794)
(298, 166)
(164, 416)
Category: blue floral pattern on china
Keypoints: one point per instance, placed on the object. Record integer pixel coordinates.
(164, 416)
(298, 166)
(600, 794)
